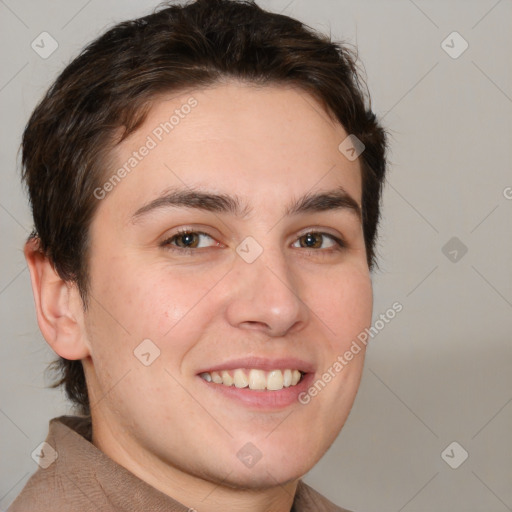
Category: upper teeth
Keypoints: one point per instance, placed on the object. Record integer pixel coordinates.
(254, 379)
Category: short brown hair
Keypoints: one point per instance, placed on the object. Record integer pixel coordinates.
(111, 84)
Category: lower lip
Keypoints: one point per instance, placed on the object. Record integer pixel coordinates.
(263, 399)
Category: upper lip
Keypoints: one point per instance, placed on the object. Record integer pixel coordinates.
(262, 363)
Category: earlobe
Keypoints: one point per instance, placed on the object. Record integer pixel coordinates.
(58, 305)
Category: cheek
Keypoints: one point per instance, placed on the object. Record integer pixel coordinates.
(344, 304)
(155, 301)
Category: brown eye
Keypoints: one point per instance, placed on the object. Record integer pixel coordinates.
(186, 240)
(314, 240)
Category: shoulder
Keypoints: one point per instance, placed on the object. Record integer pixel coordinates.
(306, 499)
(51, 487)
(74, 474)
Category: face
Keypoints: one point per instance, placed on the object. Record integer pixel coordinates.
(249, 283)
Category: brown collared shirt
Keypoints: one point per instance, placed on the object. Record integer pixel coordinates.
(75, 476)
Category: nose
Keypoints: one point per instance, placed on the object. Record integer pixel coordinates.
(265, 295)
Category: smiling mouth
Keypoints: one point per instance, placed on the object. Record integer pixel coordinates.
(255, 379)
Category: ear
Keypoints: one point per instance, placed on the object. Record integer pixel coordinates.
(58, 306)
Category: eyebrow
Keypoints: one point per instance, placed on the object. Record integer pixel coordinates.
(336, 199)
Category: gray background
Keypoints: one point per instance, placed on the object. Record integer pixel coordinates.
(441, 371)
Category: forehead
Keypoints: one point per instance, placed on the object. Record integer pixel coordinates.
(266, 142)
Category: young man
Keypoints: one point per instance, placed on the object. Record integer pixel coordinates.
(205, 184)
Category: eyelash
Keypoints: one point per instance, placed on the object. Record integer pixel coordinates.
(166, 244)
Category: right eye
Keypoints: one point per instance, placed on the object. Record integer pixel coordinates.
(186, 240)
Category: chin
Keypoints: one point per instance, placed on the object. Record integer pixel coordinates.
(263, 477)
(276, 467)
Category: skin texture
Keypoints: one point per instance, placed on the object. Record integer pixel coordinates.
(269, 145)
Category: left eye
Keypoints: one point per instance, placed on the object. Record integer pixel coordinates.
(313, 240)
